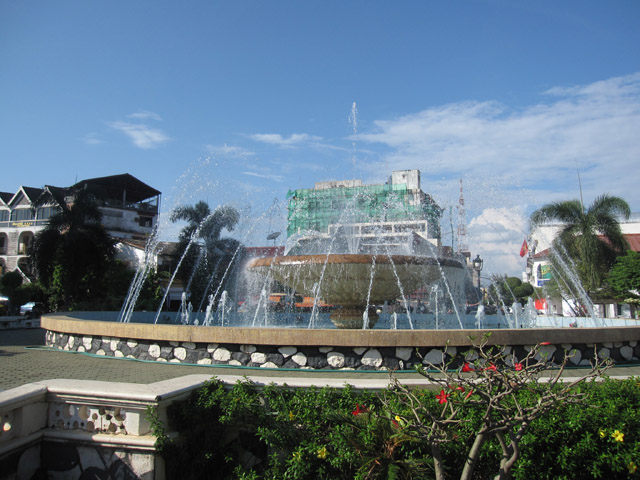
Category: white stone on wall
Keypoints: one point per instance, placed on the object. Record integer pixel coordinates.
(335, 359)
(154, 350)
(221, 355)
(180, 353)
(404, 353)
(286, 352)
(372, 358)
(248, 348)
(576, 356)
(300, 359)
(258, 357)
(627, 353)
(434, 357)
(604, 353)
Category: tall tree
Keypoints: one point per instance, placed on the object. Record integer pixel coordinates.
(207, 255)
(71, 254)
(591, 238)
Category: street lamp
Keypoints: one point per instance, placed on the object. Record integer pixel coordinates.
(477, 268)
(273, 236)
(477, 264)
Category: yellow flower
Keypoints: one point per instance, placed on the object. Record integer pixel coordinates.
(322, 453)
(291, 416)
(618, 436)
(398, 419)
(632, 467)
(602, 433)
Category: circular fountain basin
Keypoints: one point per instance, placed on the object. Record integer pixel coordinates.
(324, 349)
(354, 282)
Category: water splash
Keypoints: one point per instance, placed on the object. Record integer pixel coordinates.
(365, 315)
(151, 252)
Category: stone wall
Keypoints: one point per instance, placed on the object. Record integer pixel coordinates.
(323, 357)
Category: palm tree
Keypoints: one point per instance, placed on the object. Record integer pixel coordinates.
(592, 238)
(202, 246)
(71, 254)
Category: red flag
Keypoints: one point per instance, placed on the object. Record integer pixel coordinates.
(524, 249)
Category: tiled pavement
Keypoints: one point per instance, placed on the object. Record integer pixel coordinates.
(24, 359)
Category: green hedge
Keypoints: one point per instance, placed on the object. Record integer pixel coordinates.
(279, 433)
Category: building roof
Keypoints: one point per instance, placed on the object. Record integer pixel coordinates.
(632, 238)
(6, 197)
(634, 241)
(264, 251)
(111, 186)
(32, 193)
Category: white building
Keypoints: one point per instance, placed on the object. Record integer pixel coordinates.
(129, 211)
(539, 270)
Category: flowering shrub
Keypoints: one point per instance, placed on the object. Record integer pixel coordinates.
(498, 398)
(247, 432)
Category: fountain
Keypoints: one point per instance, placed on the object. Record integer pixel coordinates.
(370, 255)
(348, 282)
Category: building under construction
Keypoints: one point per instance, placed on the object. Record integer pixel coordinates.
(393, 217)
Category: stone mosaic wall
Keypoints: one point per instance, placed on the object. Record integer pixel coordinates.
(320, 358)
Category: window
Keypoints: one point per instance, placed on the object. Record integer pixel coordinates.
(21, 214)
(4, 215)
(46, 213)
(145, 222)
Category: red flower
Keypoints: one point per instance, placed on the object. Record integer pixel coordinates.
(518, 367)
(360, 409)
(467, 368)
(442, 397)
(468, 394)
(545, 343)
(493, 368)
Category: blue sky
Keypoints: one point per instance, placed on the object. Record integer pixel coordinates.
(240, 101)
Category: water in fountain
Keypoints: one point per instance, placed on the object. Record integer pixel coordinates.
(208, 312)
(443, 281)
(530, 315)
(223, 307)
(480, 315)
(150, 253)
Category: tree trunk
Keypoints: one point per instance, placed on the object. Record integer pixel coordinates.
(437, 461)
(472, 457)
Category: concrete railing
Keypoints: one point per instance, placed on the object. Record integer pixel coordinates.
(72, 426)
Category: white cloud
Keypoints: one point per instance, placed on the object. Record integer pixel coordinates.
(268, 176)
(92, 139)
(141, 135)
(232, 151)
(145, 115)
(497, 235)
(592, 127)
(282, 141)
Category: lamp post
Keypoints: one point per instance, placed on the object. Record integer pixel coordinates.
(477, 268)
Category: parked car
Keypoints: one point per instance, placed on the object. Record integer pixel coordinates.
(32, 309)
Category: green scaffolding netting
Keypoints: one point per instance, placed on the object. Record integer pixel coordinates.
(316, 209)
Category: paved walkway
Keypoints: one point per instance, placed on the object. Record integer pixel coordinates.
(24, 359)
